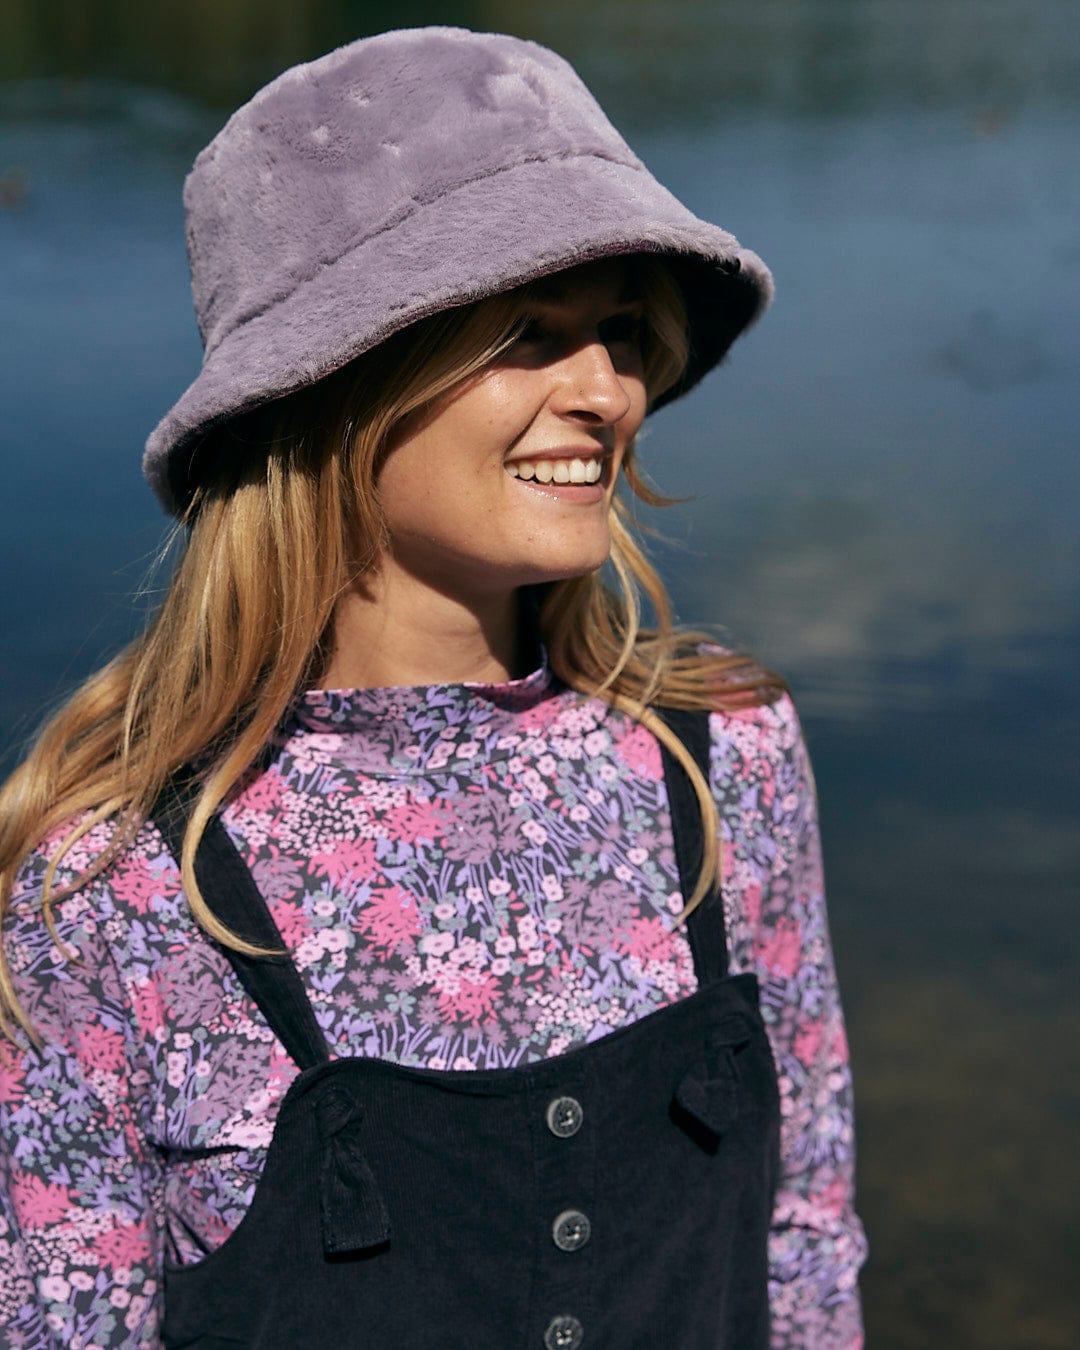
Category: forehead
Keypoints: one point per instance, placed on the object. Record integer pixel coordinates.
(615, 279)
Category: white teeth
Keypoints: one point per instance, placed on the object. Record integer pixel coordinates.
(556, 470)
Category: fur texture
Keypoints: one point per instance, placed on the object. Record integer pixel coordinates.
(401, 175)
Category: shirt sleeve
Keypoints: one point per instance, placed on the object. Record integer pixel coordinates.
(80, 1194)
(773, 876)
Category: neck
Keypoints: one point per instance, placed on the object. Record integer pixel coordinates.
(388, 631)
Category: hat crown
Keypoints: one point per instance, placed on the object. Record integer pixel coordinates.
(336, 151)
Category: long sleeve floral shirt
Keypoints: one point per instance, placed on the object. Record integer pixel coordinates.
(468, 876)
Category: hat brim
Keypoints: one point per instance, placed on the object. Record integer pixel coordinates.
(484, 236)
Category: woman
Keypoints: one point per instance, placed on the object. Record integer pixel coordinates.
(367, 975)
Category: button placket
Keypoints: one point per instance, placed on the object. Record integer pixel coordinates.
(566, 1172)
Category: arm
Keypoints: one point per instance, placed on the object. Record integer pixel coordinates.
(779, 928)
(80, 1245)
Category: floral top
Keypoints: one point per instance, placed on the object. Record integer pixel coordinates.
(469, 876)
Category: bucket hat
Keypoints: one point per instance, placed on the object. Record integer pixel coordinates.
(399, 176)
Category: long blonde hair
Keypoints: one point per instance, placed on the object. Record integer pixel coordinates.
(283, 519)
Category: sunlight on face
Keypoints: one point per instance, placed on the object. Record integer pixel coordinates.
(508, 480)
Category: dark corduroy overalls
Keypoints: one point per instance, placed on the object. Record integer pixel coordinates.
(614, 1197)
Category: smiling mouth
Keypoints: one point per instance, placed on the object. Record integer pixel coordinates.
(557, 470)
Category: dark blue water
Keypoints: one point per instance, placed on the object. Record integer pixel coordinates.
(884, 492)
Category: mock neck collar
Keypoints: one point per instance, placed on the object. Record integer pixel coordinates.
(417, 729)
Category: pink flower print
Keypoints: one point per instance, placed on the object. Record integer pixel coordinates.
(122, 1245)
(38, 1204)
(648, 940)
(537, 717)
(751, 900)
(391, 916)
(55, 1288)
(808, 1041)
(345, 859)
(264, 794)
(473, 1001)
(552, 887)
(135, 884)
(149, 1011)
(440, 756)
(437, 944)
(833, 1199)
(101, 1049)
(596, 742)
(419, 818)
(292, 922)
(12, 1087)
(176, 1068)
(781, 952)
(640, 752)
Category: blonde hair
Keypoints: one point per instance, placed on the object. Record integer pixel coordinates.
(284, 517)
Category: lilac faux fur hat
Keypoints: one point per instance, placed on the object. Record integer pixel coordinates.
(399, 176)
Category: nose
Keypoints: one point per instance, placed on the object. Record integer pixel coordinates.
(590, 387)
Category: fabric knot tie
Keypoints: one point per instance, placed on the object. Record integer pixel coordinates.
(709, 1089)
(352, 1211)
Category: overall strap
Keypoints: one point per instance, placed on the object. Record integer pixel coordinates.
(705, 926)
(230, 891)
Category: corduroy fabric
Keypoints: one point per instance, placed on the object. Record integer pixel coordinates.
(399, 176)
(413, 1207)
(471, 1179)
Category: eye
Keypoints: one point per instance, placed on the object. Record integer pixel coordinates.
(623, 329)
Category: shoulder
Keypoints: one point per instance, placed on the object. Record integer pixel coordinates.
(770, 728)
(75, 877)
(760, 770)
(103, 924)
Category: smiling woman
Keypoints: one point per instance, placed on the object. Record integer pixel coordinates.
(476, 495)
(409, 935)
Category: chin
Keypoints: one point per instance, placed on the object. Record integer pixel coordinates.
(566, 570)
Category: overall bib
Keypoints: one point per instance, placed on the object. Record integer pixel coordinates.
(613, 1197)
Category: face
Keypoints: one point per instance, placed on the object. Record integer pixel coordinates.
(508, 480)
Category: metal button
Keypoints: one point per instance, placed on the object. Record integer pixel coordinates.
(564, 1117)
(564, 1333)
(571, 1230)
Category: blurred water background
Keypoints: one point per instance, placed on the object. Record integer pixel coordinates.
(882, 500)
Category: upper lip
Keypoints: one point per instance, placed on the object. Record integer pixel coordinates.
(561, 452)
